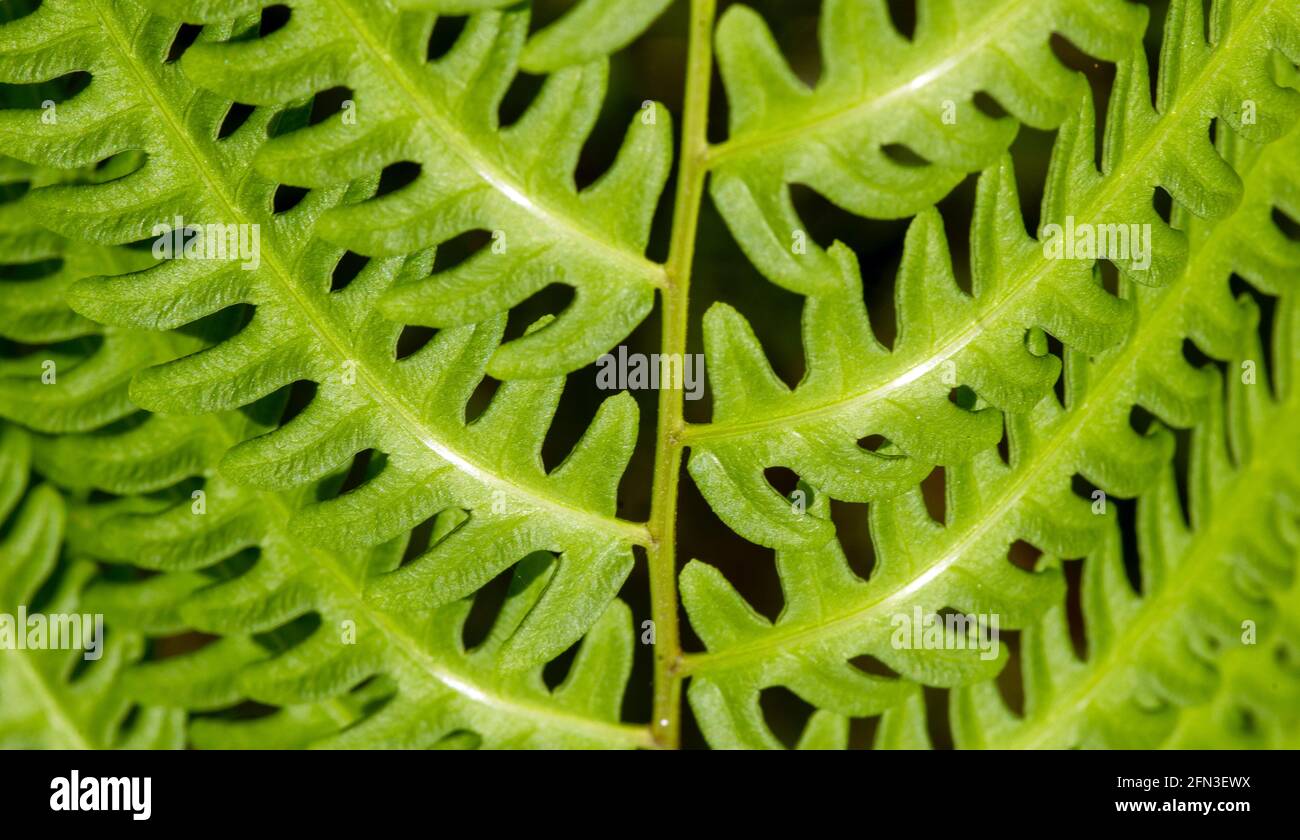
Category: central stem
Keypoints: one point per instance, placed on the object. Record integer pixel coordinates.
(675, 299)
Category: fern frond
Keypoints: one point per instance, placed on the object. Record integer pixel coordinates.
(879, 91)
(516, 182)
(1257, 704)
(855, 387)
(395, 608)
(37, 273)
(1150, 656)
(73, 375)
(363, 631)
(43, 704)
(400, 633)
(990, 504)
(75, 387)
(331, 508)
(591, 29)
(367, 676)
(411, 410)
(832, 616)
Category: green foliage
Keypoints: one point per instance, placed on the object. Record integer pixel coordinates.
(856, 387)
(330, 509)
(516, 182)
(918, 562)
(46, 701)
(1151, 654)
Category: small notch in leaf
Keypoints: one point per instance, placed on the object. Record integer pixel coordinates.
(301, 393)
(904, 155)
(987, 105)
(418, 543)
(236, 116)
(396, 176)
(413, 339)
(964, 397)
(460, 248)
(346, 270)
(522, 93)
(873, 443)
(274, 18)
(478, 402)
(359, 472)
(781, 479)
(1163, 203)
(1290, 227)
(903, 14)
(555, 671)
(933, 491)
(1073, 571)
(1010, 680)
(287, 197)
(1126, 513)
(446, 31)
(1024, 556)
(488, 601)
(329, 102)
(186, 35)
(785, 712)
(1004, 443)
(871, 665)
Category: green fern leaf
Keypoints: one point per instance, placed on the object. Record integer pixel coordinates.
(856, 388)
(1257, 698)
(880, 91)
(42, 704)
(836, 617)
(430, 673)
(151, 454)
(1150, 656)
(412, 410)
(515, 182)
(200, 419)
